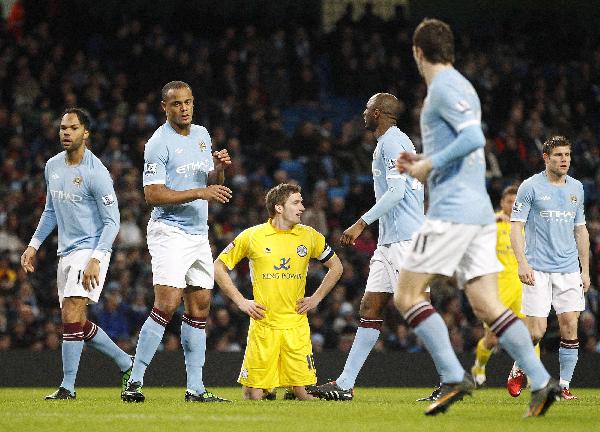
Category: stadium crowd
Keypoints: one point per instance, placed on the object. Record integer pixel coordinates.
(254, 92)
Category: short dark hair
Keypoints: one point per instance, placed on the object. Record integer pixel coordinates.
(173, 85)
(510, 190)
(553, 142)
(82, 115)
(436, 40)
(278, 195)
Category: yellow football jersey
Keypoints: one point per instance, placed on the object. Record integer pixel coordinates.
(506, 255)
(278, 266)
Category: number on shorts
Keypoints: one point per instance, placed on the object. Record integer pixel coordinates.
(311, 361)
(420, 243)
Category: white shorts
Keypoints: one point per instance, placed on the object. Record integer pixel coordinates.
(446, 248)
(385, 266)
(69, 275)
(563, 291)
(179, 259)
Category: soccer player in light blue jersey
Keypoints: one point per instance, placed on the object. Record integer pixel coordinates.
(399, 209)
(550, 206)
(81, 201)
(179, 164)
(458, 236)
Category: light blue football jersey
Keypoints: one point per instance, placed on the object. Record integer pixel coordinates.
(457, 191)
(180, 163)
(404, 218)
(81, 200)
(550, 213)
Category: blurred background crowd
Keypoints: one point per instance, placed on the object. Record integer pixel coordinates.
(287, 103)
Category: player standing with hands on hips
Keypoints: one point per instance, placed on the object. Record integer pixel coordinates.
(81, 201)
(179, 163)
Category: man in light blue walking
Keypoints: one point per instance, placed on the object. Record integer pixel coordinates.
(399, 209)
(458, 236)
(81, 201)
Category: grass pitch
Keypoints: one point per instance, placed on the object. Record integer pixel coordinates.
(373, 409)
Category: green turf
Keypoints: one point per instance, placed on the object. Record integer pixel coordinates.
(373, 409)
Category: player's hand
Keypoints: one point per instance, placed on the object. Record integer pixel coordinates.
(586, 281)
(91, 275)
(27, 259)
(526, 274)
(406, 159)
(420, 170)
(502, 217)
(350, 235)
(218, 193)
(221, 159)
(252, 309)
(307, 303)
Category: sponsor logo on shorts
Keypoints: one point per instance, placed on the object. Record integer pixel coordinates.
(301, 251)
(108, 200)
(150, 168)
(244, 373)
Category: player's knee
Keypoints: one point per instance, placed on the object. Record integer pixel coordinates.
(537, 334)
(369, 309)
(251, 393)
(403, 300)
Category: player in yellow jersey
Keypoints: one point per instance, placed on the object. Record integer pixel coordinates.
(509, 285)
(279, 349)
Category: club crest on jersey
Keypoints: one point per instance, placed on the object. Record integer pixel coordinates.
(301, 250)
(391, 164)
(202, 145)
(77, 181)
(573, 199)
(108, 200)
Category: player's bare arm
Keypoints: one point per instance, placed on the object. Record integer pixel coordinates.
(27, 259)
(582, 239)
(350, 235)
(249, 307)
(159, 194)
(517, 240)
(334, 272)
(221, 160)
(91, 275)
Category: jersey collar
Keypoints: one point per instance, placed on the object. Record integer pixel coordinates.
(270, 229)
